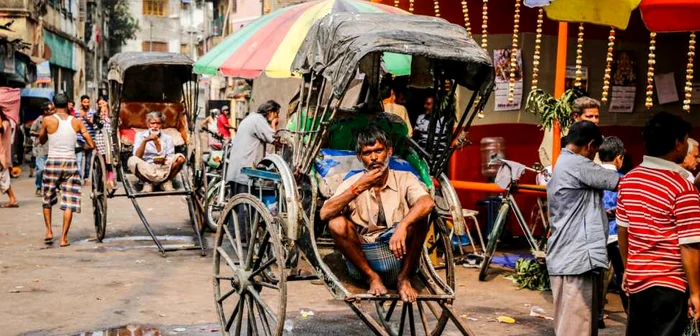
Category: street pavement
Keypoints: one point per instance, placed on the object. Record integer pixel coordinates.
(90, 287)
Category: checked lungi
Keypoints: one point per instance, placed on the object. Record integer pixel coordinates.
(62, 173)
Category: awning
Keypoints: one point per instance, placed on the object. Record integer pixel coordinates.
(61, 50)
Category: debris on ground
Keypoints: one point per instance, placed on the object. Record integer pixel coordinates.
(537, 311)
(505, 319)
(306, 313)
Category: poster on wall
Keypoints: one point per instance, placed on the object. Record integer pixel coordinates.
(623, 90)
(666, 88)
(501, 59)
(43, 72)
(571, 77)
(695, 94)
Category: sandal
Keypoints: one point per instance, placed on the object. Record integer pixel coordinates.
(48, 241)
(9, 205)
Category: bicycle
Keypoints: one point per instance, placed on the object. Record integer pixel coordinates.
(511, 172)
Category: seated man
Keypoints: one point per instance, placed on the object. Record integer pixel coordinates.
(370, 203)
(154, 160)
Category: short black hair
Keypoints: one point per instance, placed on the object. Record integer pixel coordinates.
(60, 100)
(46, 106)
(84, 96)
(583, 132)
(369, 135)
(269, 106)
(662, 131)
(611, 148)
(71, 102)
(562, 144)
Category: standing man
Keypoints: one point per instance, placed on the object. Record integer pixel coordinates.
(71, 108)
(255, 131)
(222, 123)
(84, 153)
(6, 137)
(40, 151)
(421, 131)
(61, 170)
(584, 108)
(658, 216)
(576, 253)
(690, 162)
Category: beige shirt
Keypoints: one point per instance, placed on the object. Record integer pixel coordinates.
(400, 111)
(401, 192)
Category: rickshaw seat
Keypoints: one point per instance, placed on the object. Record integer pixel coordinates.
(132, 116)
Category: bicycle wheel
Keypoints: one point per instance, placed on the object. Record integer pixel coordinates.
(495, 233)
(212, 207)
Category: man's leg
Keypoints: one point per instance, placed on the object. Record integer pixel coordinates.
(79, 156)
(87, 165)
(657, 311)
(176, 167)
(40, 162)
(67, 218)
(348, 242)
(47, 222)
(414, 248)
(619, 269)
(576, 304)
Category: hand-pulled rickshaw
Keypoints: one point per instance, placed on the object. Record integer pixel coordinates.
(139, 83)
(287, 189)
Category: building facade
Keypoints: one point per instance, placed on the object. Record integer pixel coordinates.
(159, 21)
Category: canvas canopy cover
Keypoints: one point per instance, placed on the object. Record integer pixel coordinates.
(336, 44)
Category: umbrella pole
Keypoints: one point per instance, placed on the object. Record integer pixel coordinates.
(559, 87)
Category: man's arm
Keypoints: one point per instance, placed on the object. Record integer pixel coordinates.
(597, 177)
(347, 192)
(82, 130)
(43, 133)
(687, 213)
(140, 145)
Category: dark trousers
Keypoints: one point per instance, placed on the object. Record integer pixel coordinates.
(619, 268)
(241, 211)
(657, 311)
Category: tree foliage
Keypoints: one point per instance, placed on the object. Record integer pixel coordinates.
(122, 26)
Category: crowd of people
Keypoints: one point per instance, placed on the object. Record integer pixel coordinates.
(645, 224)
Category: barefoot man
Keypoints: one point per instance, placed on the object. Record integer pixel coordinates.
(369, 204)
(61, 170)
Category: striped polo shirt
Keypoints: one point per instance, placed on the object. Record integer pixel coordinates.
(661, 210)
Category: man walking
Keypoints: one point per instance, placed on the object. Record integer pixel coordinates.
(576, 253)
(84, 153)
(658, 217)
(40, 151)
(61, 170)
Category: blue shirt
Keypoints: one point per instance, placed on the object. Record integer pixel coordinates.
(90, 128)
(578, 243)
(609, 203)
(167, 148)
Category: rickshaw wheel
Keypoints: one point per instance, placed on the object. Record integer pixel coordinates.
(439, 246)
(99, 195)
(250, 283)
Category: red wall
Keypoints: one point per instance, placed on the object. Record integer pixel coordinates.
(522, 142)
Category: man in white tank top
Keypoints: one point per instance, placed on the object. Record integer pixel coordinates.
(61, 169)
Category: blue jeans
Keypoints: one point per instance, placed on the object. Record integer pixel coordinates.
(84, 156)
(40, 164)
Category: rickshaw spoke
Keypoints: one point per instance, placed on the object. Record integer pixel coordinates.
(403, 318)
(239, 317)
(261, 251)
(234, 313)
(391, 310)
(268, 285)
(252, 322)
(263, 319)
(225, 277)
(411, 321)
(230, 262)
(251, 244)
(237, 245)
(260, 301)
(225, 296)
(264, 266)
(423, 318)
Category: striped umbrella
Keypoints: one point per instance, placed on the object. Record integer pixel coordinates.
(270, 43)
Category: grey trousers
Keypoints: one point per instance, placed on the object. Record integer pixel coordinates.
(577, 303)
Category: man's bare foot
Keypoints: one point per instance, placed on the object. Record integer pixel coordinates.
(65, 242)
(376, 286)
(48, 239)
(406, 292)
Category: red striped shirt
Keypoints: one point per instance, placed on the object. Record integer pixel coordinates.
(661, 210)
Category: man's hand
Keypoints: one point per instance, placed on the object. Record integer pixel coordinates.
(694, 306)
(397, 243)
(368, 179)
(152, 137)
(624, 284)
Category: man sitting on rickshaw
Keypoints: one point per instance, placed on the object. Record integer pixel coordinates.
(368, 206)
(154, 160)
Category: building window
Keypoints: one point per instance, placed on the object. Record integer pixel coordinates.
(155, 7)
(154, 46)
